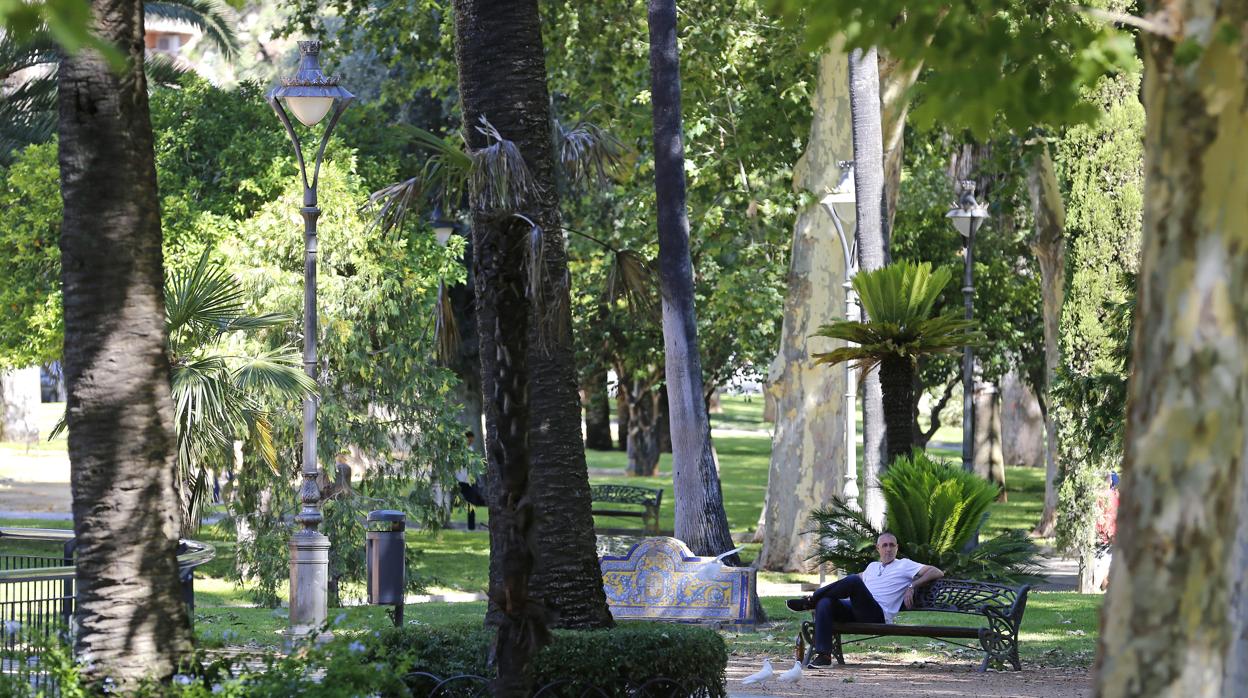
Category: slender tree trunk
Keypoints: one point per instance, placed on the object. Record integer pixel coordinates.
(808, 445)
(1049, 246)
(664, 422)
(132, 621)
(621, 414)
(643, 432)
(700, 518)
(540, 521)
(895, 83)
(597, 410)
(864, 99)
(897, 380)
(1174, 620)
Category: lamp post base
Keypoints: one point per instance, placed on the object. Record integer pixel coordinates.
(309, 577)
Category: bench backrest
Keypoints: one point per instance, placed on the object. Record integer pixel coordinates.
(963, 596)
(626, 494)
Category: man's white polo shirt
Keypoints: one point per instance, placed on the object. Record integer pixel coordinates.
(888, 583)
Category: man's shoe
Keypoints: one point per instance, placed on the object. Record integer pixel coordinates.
(801, 605)
(821, 660)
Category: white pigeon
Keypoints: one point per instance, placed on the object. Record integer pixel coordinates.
(792, 675)
(761, 677)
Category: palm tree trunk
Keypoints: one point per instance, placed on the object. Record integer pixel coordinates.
(700, 518)
(864, 101)
(543, 563)
(132, 621)
(1049, 246)
(897, 381)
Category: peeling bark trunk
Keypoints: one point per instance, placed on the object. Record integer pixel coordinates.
(808, 446)
(132, 622)
(1173, 621)
(864, 97)
(1049, 246)
(895, 84)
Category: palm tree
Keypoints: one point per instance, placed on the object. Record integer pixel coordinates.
(219, 395)
(132, 621)
(899, 299)
(28, 107)
(701, 521)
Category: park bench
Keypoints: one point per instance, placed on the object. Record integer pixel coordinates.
(660, 579)
(1000, 606)
(648, 499)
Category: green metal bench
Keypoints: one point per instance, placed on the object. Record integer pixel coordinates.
(647, 498)
(1000, 606)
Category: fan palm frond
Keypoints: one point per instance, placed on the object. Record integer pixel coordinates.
(443, 181)
(632, 278)
(214, 18)
(276, 372)
(445, 327)
(587, 153)
(163, 71)
(500, 178)
(205, 298)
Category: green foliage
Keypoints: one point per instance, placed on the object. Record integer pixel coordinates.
(934, 509)
(898, 300)
(1031, 60)
(1101, 169)
(30, 259)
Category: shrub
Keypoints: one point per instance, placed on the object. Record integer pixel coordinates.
(934, 509)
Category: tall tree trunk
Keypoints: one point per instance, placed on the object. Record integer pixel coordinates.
(897, 380)
(1049, 246)
(864, 99)
(467, 362)
(808, 445)
(664, 422)
(621, 414)
(597, 410)
(132, 621)
(540, 520)
(700, 518)
(1174, 621)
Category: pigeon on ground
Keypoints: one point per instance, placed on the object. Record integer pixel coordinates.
(760, 679)
(792, 675)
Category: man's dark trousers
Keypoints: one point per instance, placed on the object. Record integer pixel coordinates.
(843, 601)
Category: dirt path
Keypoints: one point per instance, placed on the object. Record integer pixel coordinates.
(866, 676)
(34, 481)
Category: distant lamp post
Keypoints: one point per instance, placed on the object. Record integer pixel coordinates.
(443, 228)
(968, 217)
(310, 95)
(844, 193)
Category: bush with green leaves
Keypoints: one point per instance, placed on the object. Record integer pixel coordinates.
(935, 510)
(386, 663)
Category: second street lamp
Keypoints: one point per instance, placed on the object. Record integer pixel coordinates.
(310, 95)
(967, 217)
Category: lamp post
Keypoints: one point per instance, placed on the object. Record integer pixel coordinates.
(310, 95)
(967, 217)
(845, 193)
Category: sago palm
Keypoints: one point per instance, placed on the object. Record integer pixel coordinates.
(898, 300)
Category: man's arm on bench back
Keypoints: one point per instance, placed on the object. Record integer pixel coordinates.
(926, 575)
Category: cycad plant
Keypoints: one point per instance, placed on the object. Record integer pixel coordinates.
(898, 300)
(934, 509)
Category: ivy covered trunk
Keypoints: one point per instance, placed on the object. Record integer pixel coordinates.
(1176, 618)
(808, 444)
(897, 383)
(701, 521)
(132, 622)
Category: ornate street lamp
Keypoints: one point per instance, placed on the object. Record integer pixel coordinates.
(310, 95)
(967, 217)
(845, 193)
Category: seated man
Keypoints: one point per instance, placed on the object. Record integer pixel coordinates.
(875, 596)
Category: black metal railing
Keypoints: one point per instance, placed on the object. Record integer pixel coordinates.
(38, 591)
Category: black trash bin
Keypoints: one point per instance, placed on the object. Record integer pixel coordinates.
(384, 552)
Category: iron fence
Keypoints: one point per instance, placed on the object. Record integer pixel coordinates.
(37, 596)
